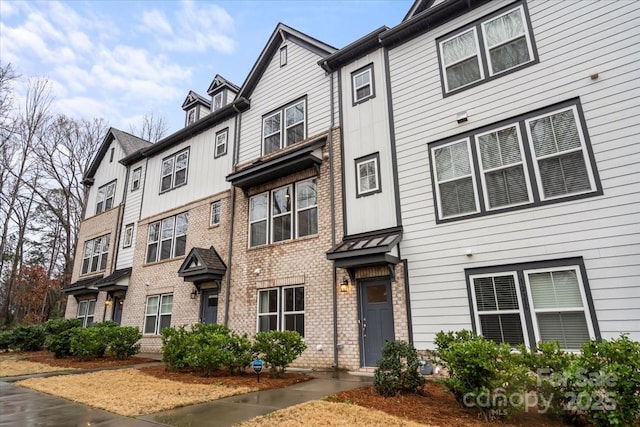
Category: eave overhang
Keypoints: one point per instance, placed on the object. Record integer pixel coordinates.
(298, 159)
(83, 287)
(202, 265)
(353, 51)
(367, 249)
(112, 282)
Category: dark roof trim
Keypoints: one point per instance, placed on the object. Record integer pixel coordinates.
(195, 98)
(82, 287)
(286, 164)
(222, 82)
(352, 51)
(366, 261)
(129, 143)
(429, 19)
(229, 110)
(417, 7)
(279, 35)
(366, 244)
(113, 278)
(210, 267)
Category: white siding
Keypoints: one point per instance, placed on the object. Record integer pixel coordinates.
(131, 215)
(279, 86)
(108, 171)
(574, 40)
(206, 175)
(366, 131)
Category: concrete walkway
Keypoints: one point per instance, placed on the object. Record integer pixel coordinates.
(24, 407)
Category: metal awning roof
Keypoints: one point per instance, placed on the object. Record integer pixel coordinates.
(365, 249)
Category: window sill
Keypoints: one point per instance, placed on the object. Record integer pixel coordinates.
(172, 188)
(92, 273)
(285, 242)
(214, 226)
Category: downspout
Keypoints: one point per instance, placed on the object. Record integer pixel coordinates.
(236, 147)
(333, 222)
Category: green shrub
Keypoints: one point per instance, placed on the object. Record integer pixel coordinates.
(89, 342)
(483, 374)
(176, 343)
(27, 338)
(206, 353)
(398, 370)
(444, 340)
(238, 353)
(278, 349)
(58, 338)
(6, 340)
(123, 341)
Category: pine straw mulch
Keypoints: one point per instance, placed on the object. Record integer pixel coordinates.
(435, 406)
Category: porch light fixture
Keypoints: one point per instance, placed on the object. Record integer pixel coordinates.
(344, 286)
(194, 293)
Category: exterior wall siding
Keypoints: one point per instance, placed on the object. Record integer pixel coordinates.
(107, 172)
(131, 215)
(574, 39)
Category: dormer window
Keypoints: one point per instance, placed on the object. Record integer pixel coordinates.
(191, 116)
(217, 101)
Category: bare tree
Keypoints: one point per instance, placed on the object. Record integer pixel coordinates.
(152, 128)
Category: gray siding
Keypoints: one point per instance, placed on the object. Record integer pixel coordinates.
(574, 40)
(107, 172)
(279, 86)
(131, 215)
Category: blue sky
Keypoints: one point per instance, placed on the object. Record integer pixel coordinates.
(122, 59)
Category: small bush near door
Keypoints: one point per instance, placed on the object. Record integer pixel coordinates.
(398, 370)
(278, 349)
(100, 338)
(124, 341)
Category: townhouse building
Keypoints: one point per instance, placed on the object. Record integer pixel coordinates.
(475, 166)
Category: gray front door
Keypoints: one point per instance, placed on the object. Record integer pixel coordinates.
(117, 310)
(209, 306)
(376, 318)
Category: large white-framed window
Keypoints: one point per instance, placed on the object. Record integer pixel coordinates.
(362, 85)
(167, 238)
(136, 176)
(216, 212)
(127, 240)
(275, 215)
(86, 312)
(174, 170)
(559, 148)
(455, 180)
(507, 44)
(158, 313)
(368, 175)
(537, 158)
(284, 127)
(551, 296)
(96, 252)
(281, 309)
(221, 143)
(106, 194)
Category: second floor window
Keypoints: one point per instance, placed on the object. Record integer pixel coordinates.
(106, 194)
(274, 215)
(167, 238)
(215, 212)
(284, 127)
(362, 84)
(96, 252)
(135, 178)
(221, 143)
(368, 175)
(174, 171)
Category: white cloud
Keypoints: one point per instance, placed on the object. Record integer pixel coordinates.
(154, 21)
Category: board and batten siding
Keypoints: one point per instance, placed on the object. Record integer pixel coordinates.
(108, 171)
(131, 215)
(574, 39)
(206, 174)
(366, 131)
(279, 86)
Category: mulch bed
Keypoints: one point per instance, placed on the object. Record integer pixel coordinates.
(224, 378)
(435, 406)
(74, 362)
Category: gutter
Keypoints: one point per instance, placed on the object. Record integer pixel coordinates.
(334, 293)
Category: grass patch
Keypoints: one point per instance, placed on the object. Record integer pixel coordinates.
(14, 365)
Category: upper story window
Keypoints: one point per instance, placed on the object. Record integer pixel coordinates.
(113, 150)
(368, 175)
(215, 213)
(95, 256)
(106, 194)
(283, 56)
(136, 176)
(560, 158)
(174, 170)
(218, 98)
(362, 84)
(221, 143)
(284, 127)
(167, 238)
(491, 46)
(127, 241)
(274, 215)
(191, 116)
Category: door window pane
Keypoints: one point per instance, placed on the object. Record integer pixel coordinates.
(376, 293)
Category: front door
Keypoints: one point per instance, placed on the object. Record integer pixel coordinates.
(117, 309)
(376, 318)
(209, 306)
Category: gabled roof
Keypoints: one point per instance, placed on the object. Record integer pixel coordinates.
(129, 143)
(281, 34)
(220, 82)
(195, 98)
(110, 283)
(417, 7)
(202, 265)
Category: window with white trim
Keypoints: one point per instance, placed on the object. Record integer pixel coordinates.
(167, 238)
(215, 213)
(96, 252)
(86, 311)
(273, 215)
(221, 143)
(136, 176)
(284, 127)
(217, 101)
(362, 84)
(191, 116)
(158, 313)
(127, 241)
(560, 164)
(552, 298)
(281, 309)
(174, 171)
(106, 194)
(367, 175)
(507, 44)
